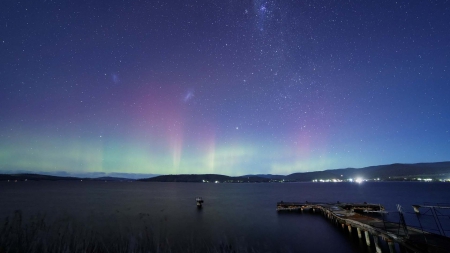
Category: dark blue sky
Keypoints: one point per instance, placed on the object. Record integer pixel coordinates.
(227, 87)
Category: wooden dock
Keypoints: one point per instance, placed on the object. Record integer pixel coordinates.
(354, 216)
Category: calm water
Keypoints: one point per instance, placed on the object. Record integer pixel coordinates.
(234, 212)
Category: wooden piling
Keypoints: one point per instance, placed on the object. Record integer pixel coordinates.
(377, 243)
(352, 215)
(366, 235)
(359, 232)
(391, 246)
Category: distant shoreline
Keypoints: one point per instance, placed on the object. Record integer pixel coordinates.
(428, 172)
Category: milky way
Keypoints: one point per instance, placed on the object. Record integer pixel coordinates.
(227, 87)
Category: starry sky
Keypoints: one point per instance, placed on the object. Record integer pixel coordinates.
(228, 87)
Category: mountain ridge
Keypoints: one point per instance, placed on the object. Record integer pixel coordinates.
(387, 172)
(392, 172)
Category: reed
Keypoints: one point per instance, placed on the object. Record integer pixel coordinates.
(67, 235)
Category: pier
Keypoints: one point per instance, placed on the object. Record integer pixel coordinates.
(355, 218)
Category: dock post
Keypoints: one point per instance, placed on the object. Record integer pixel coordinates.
(343, 225)
(349, 229)
(377, 244)
(366, 234)
(359, 232)
(391, 246)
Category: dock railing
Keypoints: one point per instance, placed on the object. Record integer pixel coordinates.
(374, 222)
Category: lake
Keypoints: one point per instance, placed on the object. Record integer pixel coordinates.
(244, 214)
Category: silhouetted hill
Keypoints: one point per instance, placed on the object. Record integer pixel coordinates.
(197, 178)
(269, 176)
(81, 174)
(38, 177)
(395, 171)
(113, 179)
(35, 177)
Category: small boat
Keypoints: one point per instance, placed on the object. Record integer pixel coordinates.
(199, 202)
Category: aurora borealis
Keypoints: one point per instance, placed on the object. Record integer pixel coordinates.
(225, 87)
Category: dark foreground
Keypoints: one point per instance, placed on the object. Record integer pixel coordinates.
(69, 235)
(163, 217)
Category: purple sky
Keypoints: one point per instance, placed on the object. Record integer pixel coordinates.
(226, 87)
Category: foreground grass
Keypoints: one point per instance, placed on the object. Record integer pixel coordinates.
(67, 235)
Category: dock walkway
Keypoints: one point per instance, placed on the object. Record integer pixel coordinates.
(355, 216)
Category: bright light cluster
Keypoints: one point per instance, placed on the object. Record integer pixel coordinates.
(334, 180)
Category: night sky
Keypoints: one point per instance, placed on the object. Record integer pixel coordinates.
(226, 87)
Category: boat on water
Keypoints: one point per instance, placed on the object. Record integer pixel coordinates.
(199, 202)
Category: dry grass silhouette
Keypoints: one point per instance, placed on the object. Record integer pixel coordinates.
(66, 235)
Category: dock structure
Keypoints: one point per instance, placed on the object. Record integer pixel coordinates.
(355, 217)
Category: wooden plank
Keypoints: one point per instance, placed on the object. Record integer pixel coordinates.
(414, 239)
